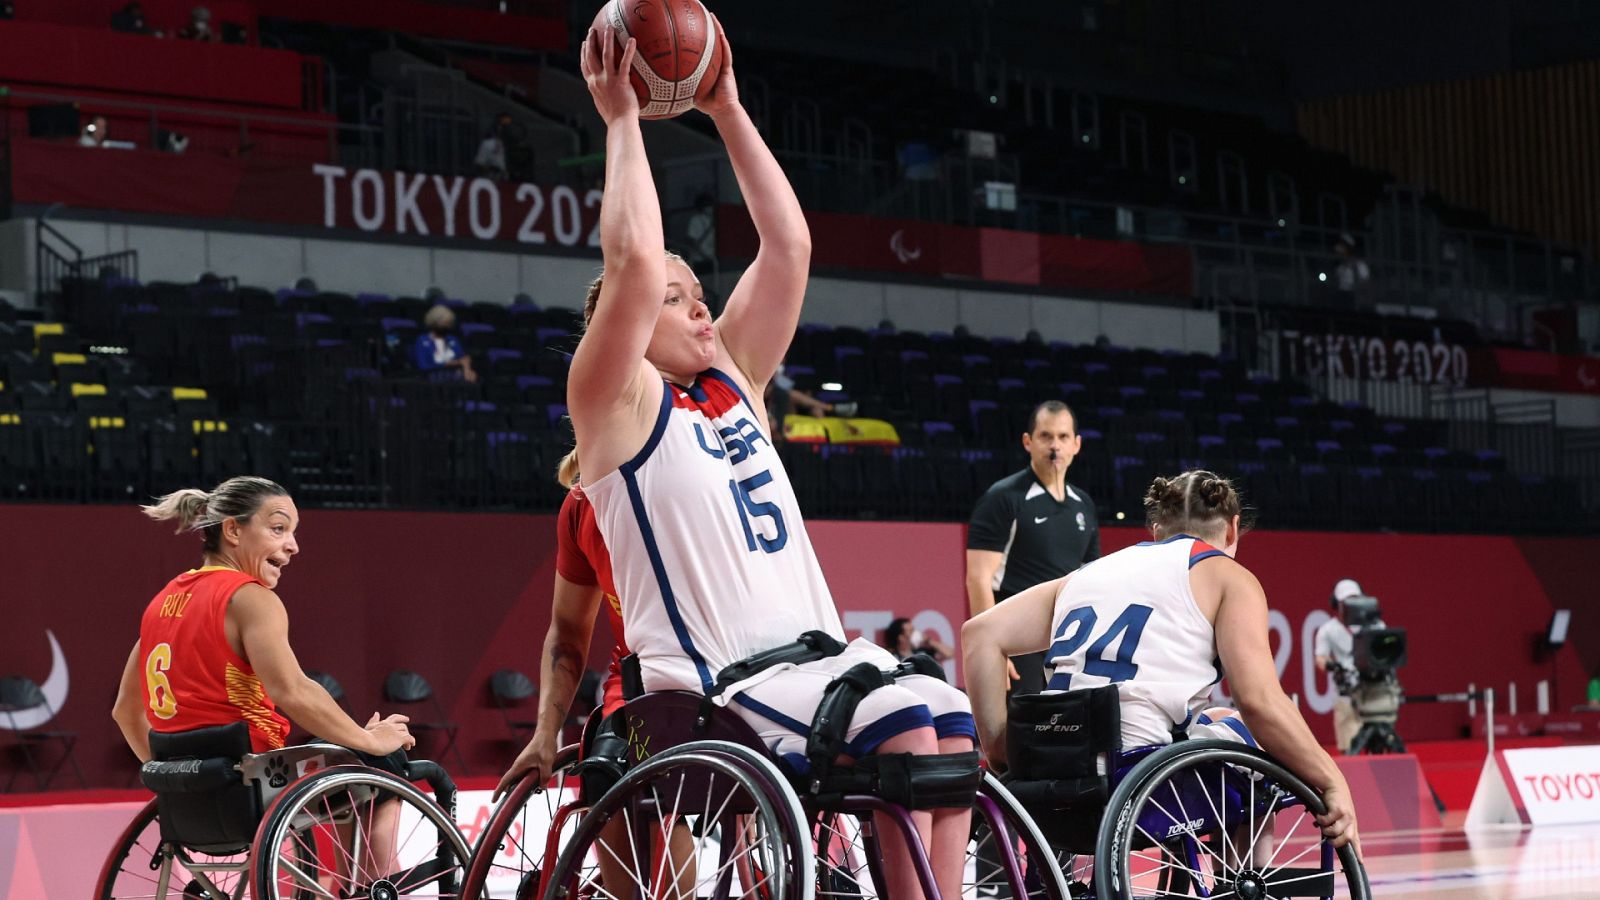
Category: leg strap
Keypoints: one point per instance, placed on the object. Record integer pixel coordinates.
(941, 780)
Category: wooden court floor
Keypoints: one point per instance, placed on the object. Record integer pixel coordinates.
(1505, 863)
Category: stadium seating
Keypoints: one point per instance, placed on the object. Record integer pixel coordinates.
(139, 389)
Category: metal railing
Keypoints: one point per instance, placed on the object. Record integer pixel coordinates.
(57, 258)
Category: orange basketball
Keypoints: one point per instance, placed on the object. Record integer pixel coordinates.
(679, 55)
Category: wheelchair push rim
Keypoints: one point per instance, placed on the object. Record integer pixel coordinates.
(743, 846)
(330, 835)
(1231, 822)
(515, 848)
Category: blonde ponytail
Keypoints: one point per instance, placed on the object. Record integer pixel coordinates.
(188, 506)
(567, 471)
(203, 511)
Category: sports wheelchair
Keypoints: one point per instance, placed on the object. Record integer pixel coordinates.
(315, 820)
(684, 800)
(1194, 818)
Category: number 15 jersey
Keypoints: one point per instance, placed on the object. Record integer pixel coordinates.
(1130, 619)
(708, 551)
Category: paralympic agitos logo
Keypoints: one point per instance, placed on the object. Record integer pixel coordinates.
(54, 689)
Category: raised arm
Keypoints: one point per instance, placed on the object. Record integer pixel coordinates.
(608, 367)
(759, 320)
(1019, 625)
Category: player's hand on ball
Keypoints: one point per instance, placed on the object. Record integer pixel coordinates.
(725, 95)
(607, 71)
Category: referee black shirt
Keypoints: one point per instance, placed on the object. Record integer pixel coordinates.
(1039, 537)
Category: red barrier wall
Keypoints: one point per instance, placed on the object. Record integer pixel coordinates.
(990, 254)
(456, 596)
(40, 54)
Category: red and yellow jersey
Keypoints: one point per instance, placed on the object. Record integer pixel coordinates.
(582, 558)
(192, 678)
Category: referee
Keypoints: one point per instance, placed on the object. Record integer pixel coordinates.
(1031, 527)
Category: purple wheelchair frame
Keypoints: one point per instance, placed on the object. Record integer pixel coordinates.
(671, 719)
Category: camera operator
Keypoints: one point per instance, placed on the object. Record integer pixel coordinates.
(1335, 654)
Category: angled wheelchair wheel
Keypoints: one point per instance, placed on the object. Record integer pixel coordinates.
(142, 866)
(684, 824)
(350, 831)
(848, 866)
(525, 834)
(1213, 818)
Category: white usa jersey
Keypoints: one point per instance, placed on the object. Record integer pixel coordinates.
(708, 551)
(1130, 619)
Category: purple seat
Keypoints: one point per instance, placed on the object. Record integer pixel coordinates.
(549, 333)
(1149, 437)
(1313, 469)
(301, 320)
(973, 406)
(1287, 421)
(471, 328)
(556, 412)
(1480, 477)
(1071, 387)
(287, 293)
(527, 381)
(1269, 443)
(1433, 453)
(1369, 473)
(1191, 394)
(975, 359)
(367, 298)
(946, 380)
(1211, 440)
(798, 371)
(477, 406)
(1380, 450)
(937, 428)
(840, 352)
(395, 323)
(326, 343)
(1089, 434)
(1171, 415)
(1150, 372)
(912, 355)
(1093, 368)
(247, 340)
(361, 373)
(1302, 401)
(1341, 425)
(1110, 412)
(1209, 375)
(1394, 428)
(1245, 397)
(1329, 446)
(1035, 364)
(1011, 384)
(1252, 467)
(1424, 475)
(1229, 418)
(1131, 390)
(496, 354)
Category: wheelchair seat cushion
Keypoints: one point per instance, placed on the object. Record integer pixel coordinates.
(1062, 734)
(203, 802)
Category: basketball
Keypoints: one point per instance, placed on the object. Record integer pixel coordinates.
(679, 55)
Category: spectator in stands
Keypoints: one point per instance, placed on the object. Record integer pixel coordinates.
(1352, 276)
(490, 162)
(523, 301)
(1032, 527)
(782, 396)
(437, 350)
(94, 133)
(901, 639)
(130, 19)
(306, 284)
(199, 27)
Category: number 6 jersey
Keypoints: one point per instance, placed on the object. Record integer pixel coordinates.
(708, 551)
(1129, 619)
(192, 678)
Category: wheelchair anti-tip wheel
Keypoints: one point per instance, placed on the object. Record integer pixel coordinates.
(848, 866)
(142, 867)
(350, 831)
(525, 834)
(690, 822)
(1218, 819)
